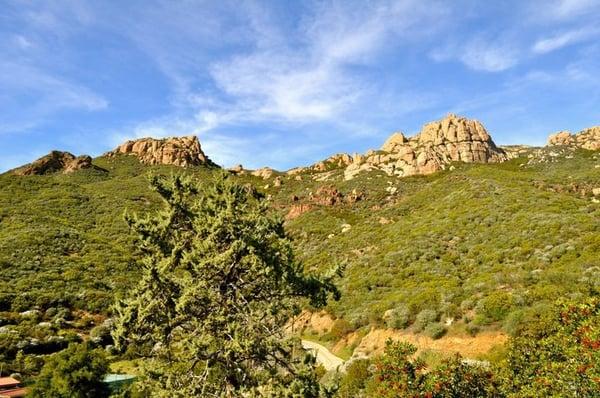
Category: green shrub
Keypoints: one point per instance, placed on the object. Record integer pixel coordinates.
(495, 307)
(398, 318)
(424, 318)
(340, 328)
(74, 372)
(455, 378)
(556, 356)
(353, 382)
(435, 330)
(472, 330)
(513, 321)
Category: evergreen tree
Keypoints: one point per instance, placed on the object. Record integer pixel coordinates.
(75, 372)
(218, 284)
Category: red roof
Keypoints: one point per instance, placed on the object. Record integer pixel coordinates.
(7, 382)
(15, 393)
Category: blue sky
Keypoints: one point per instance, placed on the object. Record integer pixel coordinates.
(286, 83)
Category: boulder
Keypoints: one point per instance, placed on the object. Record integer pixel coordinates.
(238, 169)
(264, 173)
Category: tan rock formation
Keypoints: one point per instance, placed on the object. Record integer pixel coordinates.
(561, 138)
(177, 151)
(586, 139)
(56, 161)
(238, 169)
(264, 173)
(396, 139)
(452, 139)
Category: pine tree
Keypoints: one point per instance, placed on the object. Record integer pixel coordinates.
(218, 284)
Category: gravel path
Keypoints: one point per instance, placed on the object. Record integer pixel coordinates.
(324, 356)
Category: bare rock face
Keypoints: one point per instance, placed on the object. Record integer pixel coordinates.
(586, 139)
(56, 161)
(396, 140)
(452, 139)
(439, 143)
(177, 151)
(325, 195)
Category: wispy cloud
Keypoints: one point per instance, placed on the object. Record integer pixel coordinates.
(309, 78)
(566, 9)
(564, 39)
(283, 82)
(33, 85)
(295, 76)
(36, 95)
(481, 54)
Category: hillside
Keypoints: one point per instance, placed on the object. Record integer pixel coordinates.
(470, 247)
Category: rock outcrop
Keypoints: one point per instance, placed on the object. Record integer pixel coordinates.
(452, 139)
(264, 173)
(177, 151)
(514, 151)
(585, 139)
(325, 195)
(56, 161)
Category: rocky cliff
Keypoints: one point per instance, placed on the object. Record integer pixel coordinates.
(586, 139)
(56, 161)
(178, 151)
(451, 139)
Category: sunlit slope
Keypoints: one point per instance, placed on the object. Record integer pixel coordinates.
(481, 241)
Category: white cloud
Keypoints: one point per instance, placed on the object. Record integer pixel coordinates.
(490, 57)
(310, 81)
(37, 95)
(567, 9)
(285, 76)
(481, 54)
(564, 39)
(286, 73)
(22, 42)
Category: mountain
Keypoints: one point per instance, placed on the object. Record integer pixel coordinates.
(444, 223)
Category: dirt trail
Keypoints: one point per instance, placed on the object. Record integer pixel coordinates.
(467, 346)
(324, 356)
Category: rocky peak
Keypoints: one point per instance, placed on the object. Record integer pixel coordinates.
(586, 139)
(453, 129)
(56, 161)
(451, 139)
(394, 141)
(178, 151)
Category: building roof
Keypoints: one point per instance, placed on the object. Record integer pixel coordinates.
(14, 393)
(6, 382)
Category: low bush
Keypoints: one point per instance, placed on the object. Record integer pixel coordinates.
(425, 318)
(435, 330)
